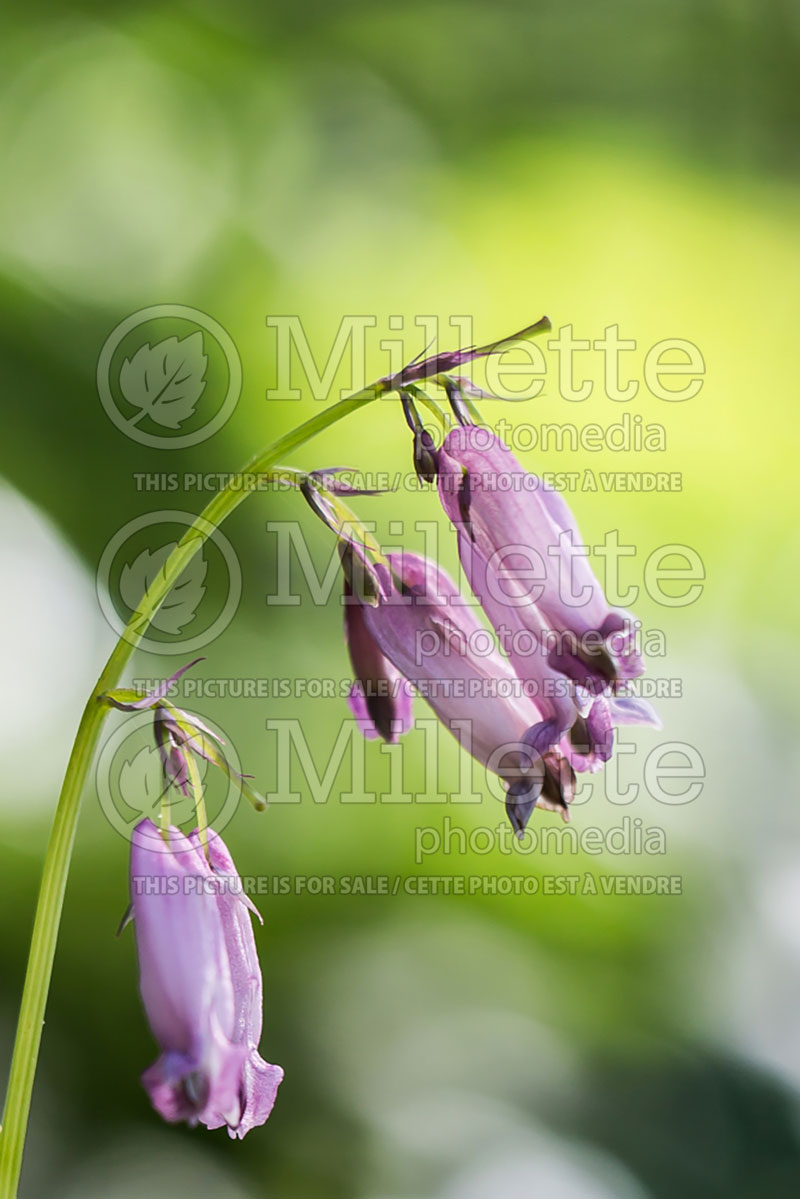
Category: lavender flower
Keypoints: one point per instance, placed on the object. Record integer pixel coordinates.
(522, 555)
(521, 532)
(200, 984)
(424, 629)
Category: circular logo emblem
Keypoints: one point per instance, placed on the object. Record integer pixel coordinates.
(131, 784)
(201, 603)
(169, 376)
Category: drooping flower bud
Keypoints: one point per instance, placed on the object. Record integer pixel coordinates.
(200, 983)
(524, 560)
(425, 456)
(433, 639)
(424, 445)
(535, 569)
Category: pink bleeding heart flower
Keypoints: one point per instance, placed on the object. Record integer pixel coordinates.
(200, 983)
(523, 557)
(424, 631)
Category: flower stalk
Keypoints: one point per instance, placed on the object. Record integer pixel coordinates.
(62, 836)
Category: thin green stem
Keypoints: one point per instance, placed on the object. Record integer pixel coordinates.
(199, 799)
(62, 836)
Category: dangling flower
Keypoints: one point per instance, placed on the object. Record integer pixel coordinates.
(534, 564)
(379, 698)
(522, 555)
(200, 983)
(426, 632)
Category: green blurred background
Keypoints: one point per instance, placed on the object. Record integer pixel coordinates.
(628, 163)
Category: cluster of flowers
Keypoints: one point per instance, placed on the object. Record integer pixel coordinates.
(548, 708)
(533, 717)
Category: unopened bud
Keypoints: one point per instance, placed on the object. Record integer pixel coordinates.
(425, 463)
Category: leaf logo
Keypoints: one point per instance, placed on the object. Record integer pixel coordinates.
(142, 786)
(165, 381)
(183, 600)
(141, 782)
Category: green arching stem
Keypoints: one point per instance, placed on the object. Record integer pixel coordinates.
(62, 836)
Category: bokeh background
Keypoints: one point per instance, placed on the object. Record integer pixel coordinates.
(622, 163)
